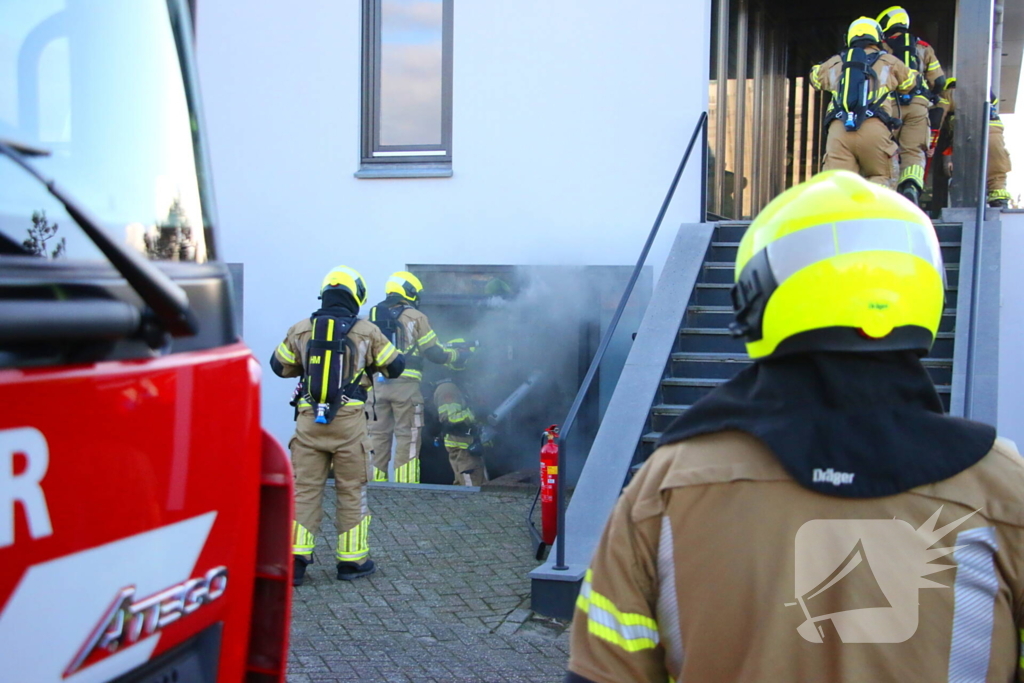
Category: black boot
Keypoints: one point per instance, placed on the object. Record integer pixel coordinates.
(910, 190)
(299, 569)
(348, 571)
(998, 204)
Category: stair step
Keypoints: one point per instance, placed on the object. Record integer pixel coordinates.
(727, 365)
(726, 251)
(949, 232)
(730, 232)
(709, 340)
(719, 317)
(664, 414)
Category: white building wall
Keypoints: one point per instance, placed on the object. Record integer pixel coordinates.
(1011, 329)
(569, 120)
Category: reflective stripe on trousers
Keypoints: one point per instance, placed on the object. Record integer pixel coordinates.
(354, 544)
(302, 540)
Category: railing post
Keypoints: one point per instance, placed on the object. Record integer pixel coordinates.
(704, 171)
(570, 419)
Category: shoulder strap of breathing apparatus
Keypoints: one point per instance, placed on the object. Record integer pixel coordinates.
(904, 48)
(854, 101)
(386, 317)
(329, 380)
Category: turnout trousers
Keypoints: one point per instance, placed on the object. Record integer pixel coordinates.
(467, 468)
(315, 447)
(914, 137)
(869, 151)
(398, 405)
(998, 163)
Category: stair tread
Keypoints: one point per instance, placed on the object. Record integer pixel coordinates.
(714, 382)
(670, 408)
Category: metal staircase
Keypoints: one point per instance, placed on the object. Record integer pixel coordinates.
(705, 355)
(683, 350)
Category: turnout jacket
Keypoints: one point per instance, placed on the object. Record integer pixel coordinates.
(373, 354)
(456, 417)
(420, 341)
(927, 61)
(717, 566)
(892, 76)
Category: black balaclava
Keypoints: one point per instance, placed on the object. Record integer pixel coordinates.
(338, 302)
(874, 415)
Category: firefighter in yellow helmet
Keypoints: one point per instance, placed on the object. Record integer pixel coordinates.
(396, 412)
(999, 164)
(861, 116)
(461, 433)
(822, 479)
(334, 353)
(915, 134)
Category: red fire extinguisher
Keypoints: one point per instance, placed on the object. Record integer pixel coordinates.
(549, 485)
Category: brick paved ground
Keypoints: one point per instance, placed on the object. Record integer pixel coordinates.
(449, 601)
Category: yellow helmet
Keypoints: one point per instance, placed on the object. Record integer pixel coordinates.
(405, 284)
(893, 19)
(349, 279)
(864, 27)
(838, 264)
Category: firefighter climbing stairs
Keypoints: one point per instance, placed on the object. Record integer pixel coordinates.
(705, 355)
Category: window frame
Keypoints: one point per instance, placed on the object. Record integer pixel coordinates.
(401, 160)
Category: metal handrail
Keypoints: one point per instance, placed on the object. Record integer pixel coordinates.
(570, 419)
(975, 274)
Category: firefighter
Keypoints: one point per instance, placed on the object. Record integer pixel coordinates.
(460, 431)
(335, 353)
(998, 156)
(396, 411)
(823, 479)
(914, 135)
(860, 117)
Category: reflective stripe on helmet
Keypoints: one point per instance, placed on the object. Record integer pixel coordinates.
(803, 248)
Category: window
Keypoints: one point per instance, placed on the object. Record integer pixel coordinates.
(407, 88)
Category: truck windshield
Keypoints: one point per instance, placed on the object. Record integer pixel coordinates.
(102, 86)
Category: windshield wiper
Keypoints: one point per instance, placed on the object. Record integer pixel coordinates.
(167, 300)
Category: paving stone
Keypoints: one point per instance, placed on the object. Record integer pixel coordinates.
(449, 601)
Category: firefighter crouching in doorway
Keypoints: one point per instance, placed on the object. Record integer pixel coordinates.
(460, 431)
(861, 116)
(335, 353)
(998, 156)
(396, 409)
(823, 479)
(914, 135)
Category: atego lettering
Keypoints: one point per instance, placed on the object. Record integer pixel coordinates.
(830, 476)
(127, 620)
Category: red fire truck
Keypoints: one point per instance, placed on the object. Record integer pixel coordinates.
(144, 515)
